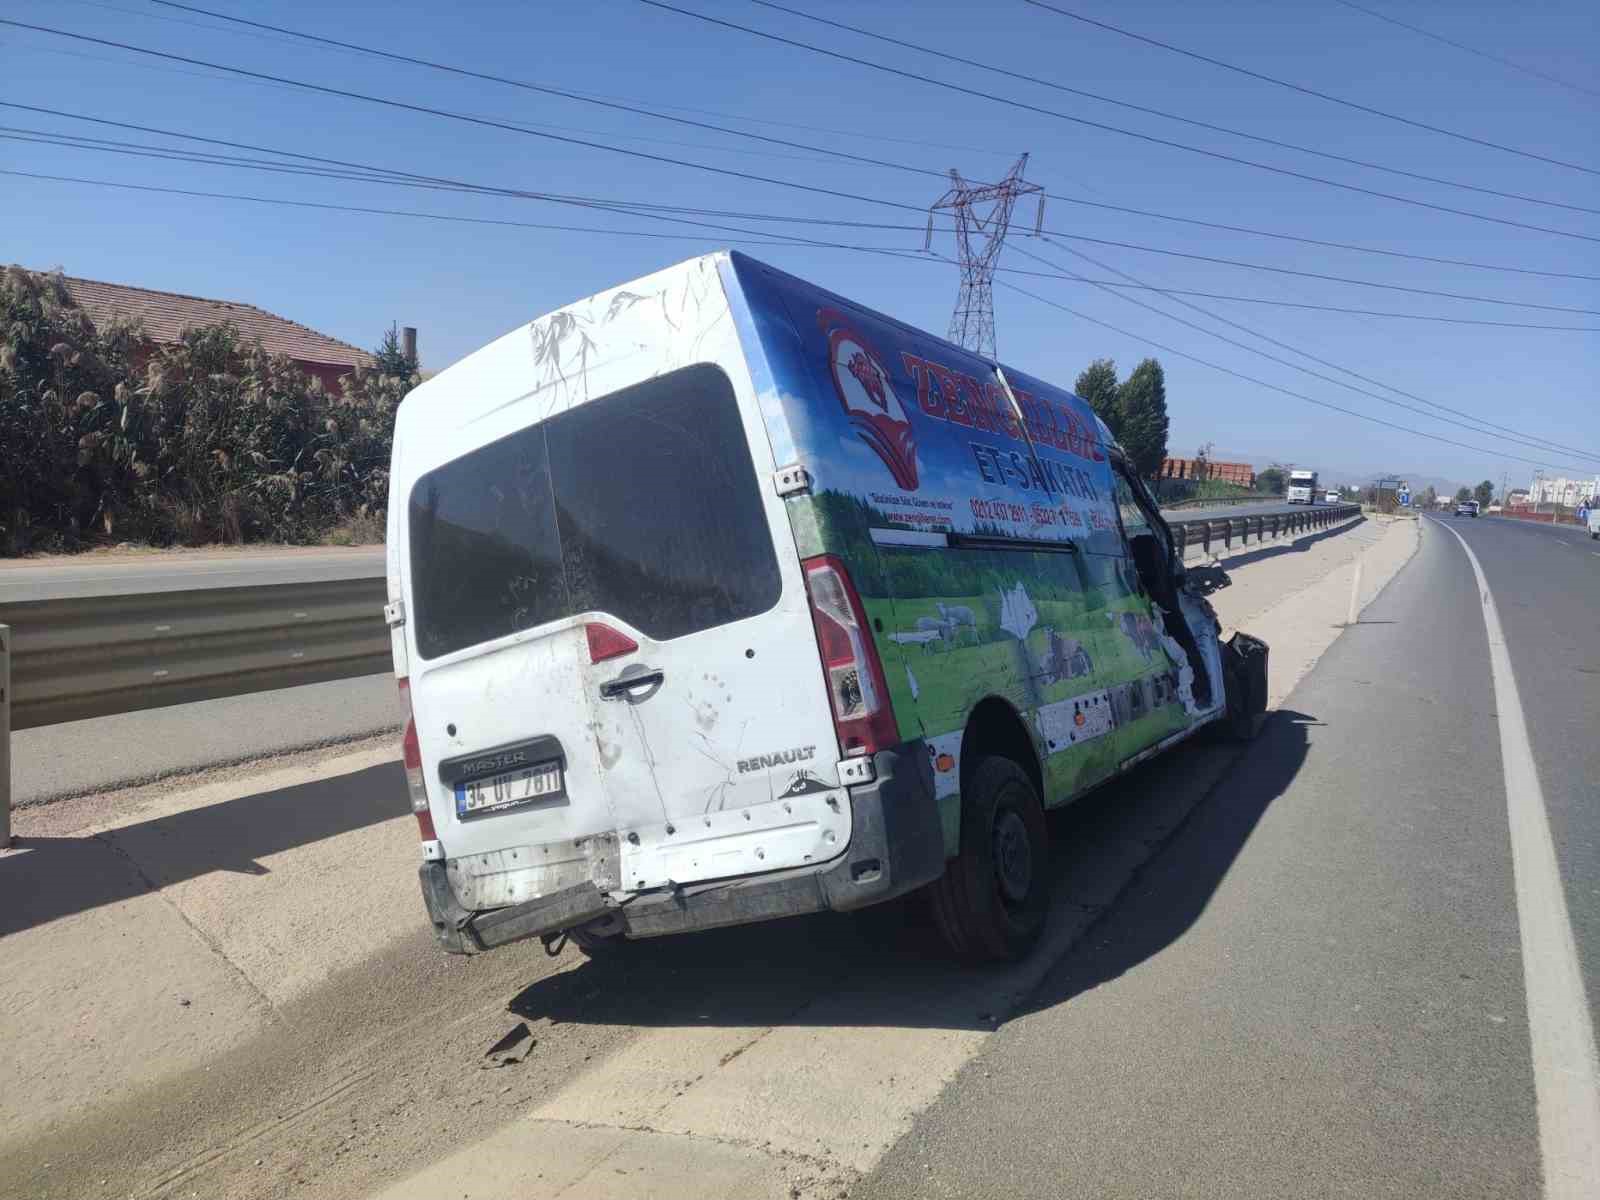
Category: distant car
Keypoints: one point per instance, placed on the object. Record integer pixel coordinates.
(1331, 498)
(1494, 508)
(1467, 508)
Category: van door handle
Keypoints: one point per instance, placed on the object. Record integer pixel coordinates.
(625, 685)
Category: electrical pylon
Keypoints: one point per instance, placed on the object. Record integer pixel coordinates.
(982, 216)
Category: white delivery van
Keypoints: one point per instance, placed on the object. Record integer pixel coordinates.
(716, 597)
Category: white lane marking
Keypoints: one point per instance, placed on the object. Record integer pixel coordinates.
(1565, 1071)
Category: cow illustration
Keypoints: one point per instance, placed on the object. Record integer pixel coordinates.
(1139, 630)
(1064, 658)
(870, 376)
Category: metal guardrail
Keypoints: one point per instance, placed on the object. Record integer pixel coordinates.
(93, 656)
(1204, 534)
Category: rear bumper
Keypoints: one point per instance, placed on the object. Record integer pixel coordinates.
(896, 845)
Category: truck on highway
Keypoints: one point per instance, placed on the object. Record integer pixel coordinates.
(1302, 487)
(717, 597)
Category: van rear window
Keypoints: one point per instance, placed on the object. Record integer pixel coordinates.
(643, 504)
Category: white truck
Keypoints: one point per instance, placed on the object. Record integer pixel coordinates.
(1302, 487)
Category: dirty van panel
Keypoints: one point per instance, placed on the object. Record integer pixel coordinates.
(608, 585)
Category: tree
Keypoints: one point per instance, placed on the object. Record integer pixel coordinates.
(1274, 479)
(1483, 493)
(1142, 401)
(1098, 385)
(1202, 461)
(1462, 495)
(392, 358)
(1430, 498)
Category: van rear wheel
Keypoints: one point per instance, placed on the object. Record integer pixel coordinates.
(992, 901)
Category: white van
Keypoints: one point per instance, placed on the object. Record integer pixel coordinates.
(716, 597)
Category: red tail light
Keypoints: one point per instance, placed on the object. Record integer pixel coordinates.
(862, 715)
(606, 642)
(411, 758)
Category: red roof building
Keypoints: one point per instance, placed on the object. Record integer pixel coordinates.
(166, 315)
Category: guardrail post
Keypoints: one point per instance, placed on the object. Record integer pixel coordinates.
(5, 736)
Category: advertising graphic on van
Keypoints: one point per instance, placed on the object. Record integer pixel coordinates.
(950, 451)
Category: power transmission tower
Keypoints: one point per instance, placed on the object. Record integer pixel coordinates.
(982, 215)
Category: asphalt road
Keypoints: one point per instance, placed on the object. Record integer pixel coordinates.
(1546, 583)
(1316, 988)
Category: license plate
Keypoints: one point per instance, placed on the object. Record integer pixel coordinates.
(512, 788)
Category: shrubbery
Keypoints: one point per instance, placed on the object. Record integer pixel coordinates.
(210, 440)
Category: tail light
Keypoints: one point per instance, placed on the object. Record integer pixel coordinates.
(862, 715)
(411, 757)
(606, 642)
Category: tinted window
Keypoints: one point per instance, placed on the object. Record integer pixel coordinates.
(643, 504)
(1134, 522)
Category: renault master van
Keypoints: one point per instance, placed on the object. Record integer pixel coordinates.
(718, 597)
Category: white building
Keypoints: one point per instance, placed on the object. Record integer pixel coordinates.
(1558, 489)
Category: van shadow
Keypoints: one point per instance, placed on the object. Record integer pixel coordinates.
(1298, 546)
(47, 878)
(886, 966)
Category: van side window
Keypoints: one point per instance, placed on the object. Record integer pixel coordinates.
(643, 504)
(1134, 522)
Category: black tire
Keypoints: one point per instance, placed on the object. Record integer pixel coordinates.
(600, 947)
(992, 901)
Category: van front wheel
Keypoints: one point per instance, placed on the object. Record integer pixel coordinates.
(993, 898)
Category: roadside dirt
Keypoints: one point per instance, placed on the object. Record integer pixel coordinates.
(337, 1053)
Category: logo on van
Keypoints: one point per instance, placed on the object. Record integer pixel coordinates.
(866, 391)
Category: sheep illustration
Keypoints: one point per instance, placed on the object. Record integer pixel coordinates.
(959, 616)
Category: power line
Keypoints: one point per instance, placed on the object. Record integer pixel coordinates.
(1311, 241)
(774, 240)
(1307, 91)
(788, 240)
(486, 122)
(492, 123)
(1495, 58)
(1156, 112)
(364, 173)
(1101, 125)
(1349, 412)
(641, 208)
(1235, 262)
(518, 193)
(545, 89)
(572, 95)
(1515, 435)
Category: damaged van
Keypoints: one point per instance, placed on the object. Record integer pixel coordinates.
(717, 597)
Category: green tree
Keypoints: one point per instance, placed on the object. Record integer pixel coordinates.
(1274, 479)
(1483, 493)
(1142, 401)
(1430, 498)
(1462, 495)
(392, 358)
(1098, 385)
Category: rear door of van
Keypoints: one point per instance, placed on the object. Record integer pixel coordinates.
(615, 672)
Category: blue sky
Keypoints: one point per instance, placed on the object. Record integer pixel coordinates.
(463, 284)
